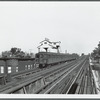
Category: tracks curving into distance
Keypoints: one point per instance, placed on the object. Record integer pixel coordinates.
(66, 77)
(66, 73)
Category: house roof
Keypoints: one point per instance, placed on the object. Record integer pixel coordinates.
(45, 40)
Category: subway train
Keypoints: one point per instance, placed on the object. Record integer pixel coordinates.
(43, 59)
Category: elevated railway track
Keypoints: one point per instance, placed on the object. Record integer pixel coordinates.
(74, 77)
(63, 81)
(29, 78)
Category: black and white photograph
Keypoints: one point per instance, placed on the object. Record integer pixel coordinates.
(50, 48)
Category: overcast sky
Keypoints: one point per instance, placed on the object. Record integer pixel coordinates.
(25, 24)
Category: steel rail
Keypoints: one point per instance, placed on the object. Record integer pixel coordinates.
(50, 89)
(94, 81)
(75, 77)
(59, 84)
(64, 72)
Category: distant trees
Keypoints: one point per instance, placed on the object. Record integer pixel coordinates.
(75, 55)
(17, 52)
(6, 54)
(96, 52)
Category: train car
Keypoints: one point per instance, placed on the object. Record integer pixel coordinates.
(48, 58)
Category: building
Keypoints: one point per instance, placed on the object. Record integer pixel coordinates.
(48, 46)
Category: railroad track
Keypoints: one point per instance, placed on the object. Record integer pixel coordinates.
(23, 81)
(24, 74)
(35, 70)
(75, 80)
(26, 85)
(55, 86)
(85, 81)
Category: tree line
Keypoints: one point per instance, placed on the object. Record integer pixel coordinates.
(96, 52)
(17, 52)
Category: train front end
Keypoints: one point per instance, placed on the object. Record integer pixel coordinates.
(40, 59)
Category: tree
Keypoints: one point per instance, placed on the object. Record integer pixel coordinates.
(6, 54)
(96, 51)
(15, 51)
